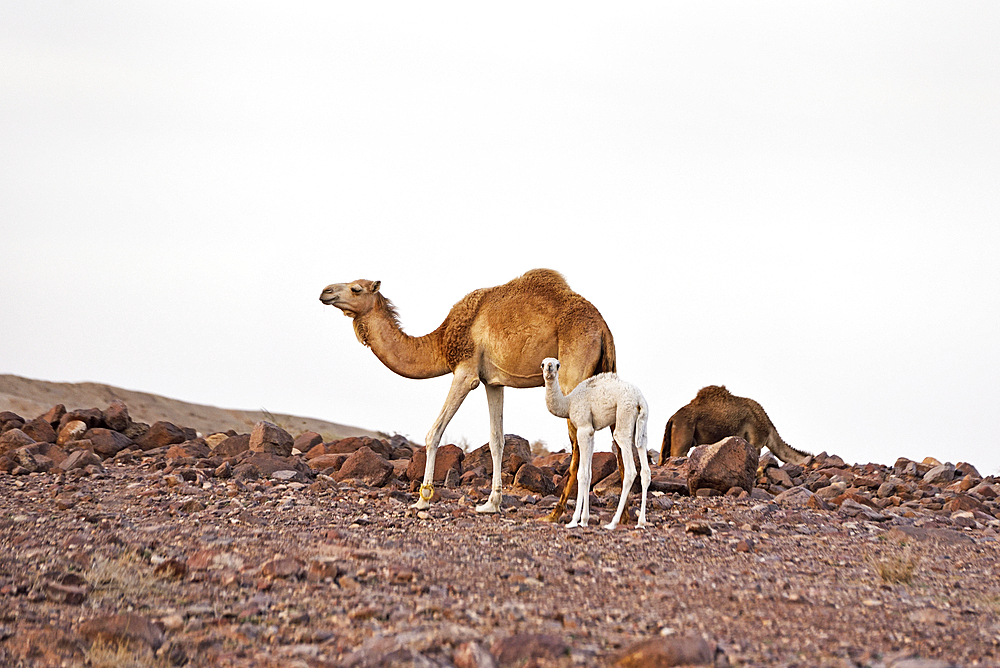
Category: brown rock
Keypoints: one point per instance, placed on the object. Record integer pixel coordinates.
(965, 468)
(603, 465)
(518, 650)
(963, 502)
(355, 443)
(54, 415)
(196, 448)
(367, 466)
(107, 442)
(516, 451)
(79, 459)
(40, 430)
(270, 438)
(123, 628)
(320, 568)
(14, 439)
(50, 646)
(160, 435)
(732, 462)
(233, 445)
(282, 567)
(663, 652)
(323, 462)
(94, 417)
(116, 416)
(307, 440)
(267, 464)
(449, 458)
(531, 478)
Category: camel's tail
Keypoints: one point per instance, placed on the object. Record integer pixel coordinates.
(641, 437)
(665, 446)
(607, 362)
(783, 451)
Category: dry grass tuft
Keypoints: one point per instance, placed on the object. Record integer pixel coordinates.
(894, 565)
(122, 655)
(123, 576)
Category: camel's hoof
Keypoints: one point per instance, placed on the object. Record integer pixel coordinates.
(573, 525)
(551, 517)
(488, 508)
(421, 504)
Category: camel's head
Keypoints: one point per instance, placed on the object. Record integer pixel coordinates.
(550, 369)
(354, 299)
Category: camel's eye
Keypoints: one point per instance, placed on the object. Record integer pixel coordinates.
(356, 289)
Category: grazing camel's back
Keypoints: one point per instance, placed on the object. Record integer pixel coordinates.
(714, 414)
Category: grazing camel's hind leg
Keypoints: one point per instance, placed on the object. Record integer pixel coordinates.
(465, 381)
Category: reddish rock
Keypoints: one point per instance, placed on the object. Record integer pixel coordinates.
(116, 416)
(48, 646)
(559, 461)
(282, 567)
(322, 567)
(267, 464)
(355, 443)
(531, 478)
(40, 430)
(14, 439)
(965, 468)
(123, 628)
(79, 459)
(196, 448)
(315, 451)
(307, 440)
(518, 650)
(94, 417)
(270, 438)
(853, 496)
(160, 435)
(54, 415)
(323, 462)
(516, 451)
(603, 465)
(234, 445)
(670, 651)
(963, 502)
(367, 466)
(107, 442)
(732, 462)
(448, 458)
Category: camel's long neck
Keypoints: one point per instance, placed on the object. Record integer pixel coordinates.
(409, 356)
(555, 400)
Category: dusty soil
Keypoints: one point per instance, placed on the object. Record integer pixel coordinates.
(150, 559)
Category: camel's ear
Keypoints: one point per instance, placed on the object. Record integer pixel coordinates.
(375, 286)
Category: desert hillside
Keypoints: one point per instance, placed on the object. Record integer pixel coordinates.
(26, 396)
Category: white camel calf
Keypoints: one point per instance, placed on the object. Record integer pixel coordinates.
(604, 400)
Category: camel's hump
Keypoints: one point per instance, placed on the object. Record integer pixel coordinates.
(713, 391)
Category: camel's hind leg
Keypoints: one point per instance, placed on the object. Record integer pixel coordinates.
(494, 397)
(624, 435)
(464, 382)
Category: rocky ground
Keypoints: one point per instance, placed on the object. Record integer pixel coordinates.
(124, 544)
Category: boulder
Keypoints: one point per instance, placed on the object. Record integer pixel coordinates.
(79, 459)
(161, 435)
(449, 458)
(603, 465)
(940, 475)
(196, 448)
(516, 451)
(367, 466)
(323, 462)
(122, 628)
(531, 478)
(40, 430)
(233, 445)
(270, 438)
(524, 649)
(732, 462)
(355, 443)
(92, 416)
(116, 416)
(668, 651)
(107, 442)
(14, 439)
(307, 440)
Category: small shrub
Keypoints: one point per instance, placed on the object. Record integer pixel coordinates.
(898, 566)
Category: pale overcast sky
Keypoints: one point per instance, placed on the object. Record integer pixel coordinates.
(798, 200)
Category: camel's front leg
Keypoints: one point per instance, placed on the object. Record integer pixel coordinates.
(463, 383)
(585, 439)
(494, 397)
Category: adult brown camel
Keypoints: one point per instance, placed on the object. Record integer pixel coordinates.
(716, 413)
(495, 336)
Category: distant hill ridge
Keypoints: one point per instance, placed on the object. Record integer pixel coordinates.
(30, 398)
